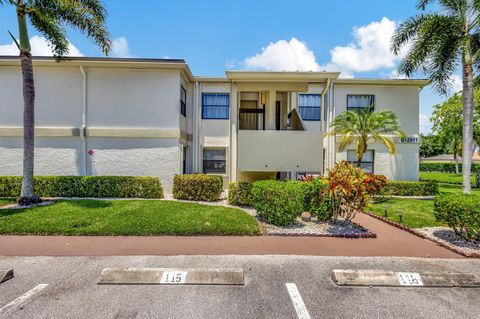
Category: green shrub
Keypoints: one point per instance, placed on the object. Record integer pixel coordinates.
(317, 200)
(240, 194)
(279, 202)
(461, 212)
(409, 188)
(86, 186)
(199, 187)
(444, 167)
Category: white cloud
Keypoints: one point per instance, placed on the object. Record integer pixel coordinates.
(371, 49)
(40, 47)
(120, 48)
(283, 55)
(457, 83)
(425, 124)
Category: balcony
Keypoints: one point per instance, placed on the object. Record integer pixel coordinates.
(280, 151)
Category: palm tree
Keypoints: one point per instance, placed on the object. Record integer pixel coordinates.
(363, 126)
(49, 18)
(439, 43)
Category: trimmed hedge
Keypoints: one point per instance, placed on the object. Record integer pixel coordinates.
(444, 167)
(86, 186)
(461, 212)
(279, 202)
(240, 194)
(200, 187)
(317, 200)
(408, 188)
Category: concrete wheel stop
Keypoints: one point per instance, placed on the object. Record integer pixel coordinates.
(6, 275)
(384, 278)
(171, 276)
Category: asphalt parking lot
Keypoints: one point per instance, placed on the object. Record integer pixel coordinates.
(275, 287)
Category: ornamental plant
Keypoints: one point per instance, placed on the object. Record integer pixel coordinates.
(375, 183)
(348, 190)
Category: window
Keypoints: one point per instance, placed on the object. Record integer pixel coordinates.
(358, 102)
(215, 106)
(214, 161)
(183, 101)
(367, 162)
(309, 106)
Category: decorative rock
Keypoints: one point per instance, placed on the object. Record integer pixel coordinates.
(306, 216)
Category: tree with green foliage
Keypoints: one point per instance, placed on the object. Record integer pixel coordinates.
(440, 42)
(49, 18)
(447, 122)
(431, 145)
(361, 127)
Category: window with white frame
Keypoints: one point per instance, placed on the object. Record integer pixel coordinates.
(183, 101)
(360, 101)
(309, 106)
(214, 161)
(368, 160)
(215, 106)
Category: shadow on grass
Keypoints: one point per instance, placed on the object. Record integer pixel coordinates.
(87, 203)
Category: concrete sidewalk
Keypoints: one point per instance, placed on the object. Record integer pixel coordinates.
(390, 241)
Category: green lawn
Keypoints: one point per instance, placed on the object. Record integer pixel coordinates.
(416, 213)
(142, 218)
(443, 177)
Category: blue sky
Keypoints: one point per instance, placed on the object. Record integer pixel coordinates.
(349, 35)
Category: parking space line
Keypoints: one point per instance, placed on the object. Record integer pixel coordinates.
(297, 301)
(15, 303)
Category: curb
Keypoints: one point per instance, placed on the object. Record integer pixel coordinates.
(172, 276)
(418, 234)
(386, 278)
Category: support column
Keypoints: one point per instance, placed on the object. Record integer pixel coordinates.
(270, 111)
(233, 132)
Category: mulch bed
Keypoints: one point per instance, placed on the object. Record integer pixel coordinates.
(342, 229)
(442, 236)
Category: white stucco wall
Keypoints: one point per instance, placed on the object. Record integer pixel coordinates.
(131, 98)
(58, 97)
(53, 156)
(135, 157)
(214, 132)
(404, 101)
(118, 98)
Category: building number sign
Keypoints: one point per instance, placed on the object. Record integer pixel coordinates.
(173, 277)
(410, 140)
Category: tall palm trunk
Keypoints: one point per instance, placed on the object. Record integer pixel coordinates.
(28, 125)
(27, 196)
(467, 126)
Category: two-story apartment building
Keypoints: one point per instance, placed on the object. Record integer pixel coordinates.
(101, 116)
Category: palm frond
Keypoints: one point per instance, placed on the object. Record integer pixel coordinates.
(87, 16)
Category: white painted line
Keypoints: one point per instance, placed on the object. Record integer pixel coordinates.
(17, 302)
(297, 301)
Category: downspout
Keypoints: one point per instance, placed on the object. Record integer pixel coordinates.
(196, 128)
(83, 129)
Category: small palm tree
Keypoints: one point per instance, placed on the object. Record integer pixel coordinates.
(439, 43)
(361, 127)
(49, 18)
